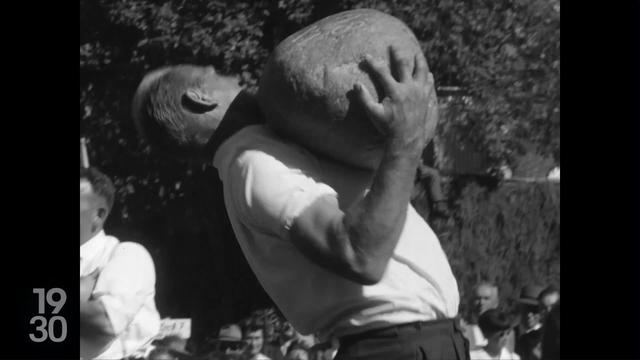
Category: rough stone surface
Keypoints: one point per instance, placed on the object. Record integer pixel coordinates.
(306, 90)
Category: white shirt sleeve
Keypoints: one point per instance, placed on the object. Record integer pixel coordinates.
(125, 283)
(268, 194)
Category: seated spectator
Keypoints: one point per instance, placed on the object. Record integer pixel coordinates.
(495, 327)
(528, 340)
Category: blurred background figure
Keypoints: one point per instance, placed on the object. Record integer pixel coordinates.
(551, 334)
(297, 350)
(495, 327)
(227, 345)
(170, 348)
(485, 297)
(161, 353)
(436, 201)
(324, 351)
(279, 334)
(529, 336)
(253, 336)
(283, 335)
(548, 298)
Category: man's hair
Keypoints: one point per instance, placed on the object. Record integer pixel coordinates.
(492, 321)
(253, 323)
(158, 111)
(487, 284)
(100, 183)
(548, 291)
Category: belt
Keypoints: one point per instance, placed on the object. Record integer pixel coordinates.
(407, 328)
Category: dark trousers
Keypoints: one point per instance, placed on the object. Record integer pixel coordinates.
(431, 340)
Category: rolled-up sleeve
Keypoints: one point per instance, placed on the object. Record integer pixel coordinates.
(269, 194)
(125, 284)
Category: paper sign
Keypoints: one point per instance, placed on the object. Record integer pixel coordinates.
(177, 327)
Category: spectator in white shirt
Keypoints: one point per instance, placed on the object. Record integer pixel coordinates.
(495, 327)
(117, 280)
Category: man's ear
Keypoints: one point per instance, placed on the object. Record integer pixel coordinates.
(99, 217)
(198, 101)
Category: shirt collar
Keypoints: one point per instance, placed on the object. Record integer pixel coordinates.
(226, 147)
(93, 246)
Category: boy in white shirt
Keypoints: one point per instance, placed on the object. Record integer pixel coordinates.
(495, 327)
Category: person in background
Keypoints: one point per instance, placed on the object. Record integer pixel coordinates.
(253, 336)
(278, 334)
(528, 339)
(170, 347)
(437, 203)
(324, 351)
(161, 353)
(551, 334)
(548, 298)
(297, 351)
(485, 297)
(227, 345)
(495, 327)
(118, 314)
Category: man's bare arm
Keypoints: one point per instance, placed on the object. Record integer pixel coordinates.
(95, 326)
(359, 243)
(94, 318)
(96, 332)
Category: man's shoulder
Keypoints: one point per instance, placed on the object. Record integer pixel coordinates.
(130, 252)
(132, 246)
(255, 144)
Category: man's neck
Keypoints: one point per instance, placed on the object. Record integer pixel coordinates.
(242, 112)
(93, 236)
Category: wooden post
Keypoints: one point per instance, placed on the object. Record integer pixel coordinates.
(84, 157)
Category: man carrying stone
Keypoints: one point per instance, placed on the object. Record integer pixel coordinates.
(339, 249)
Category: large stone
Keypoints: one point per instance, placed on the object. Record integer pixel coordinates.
(306, 90)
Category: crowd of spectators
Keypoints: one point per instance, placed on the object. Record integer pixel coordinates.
(531, 332)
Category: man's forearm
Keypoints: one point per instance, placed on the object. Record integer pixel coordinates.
(374, 225)
(94, 319)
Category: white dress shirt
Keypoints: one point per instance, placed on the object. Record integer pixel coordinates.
(481, 354)
(126, 288)
(268, 182)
